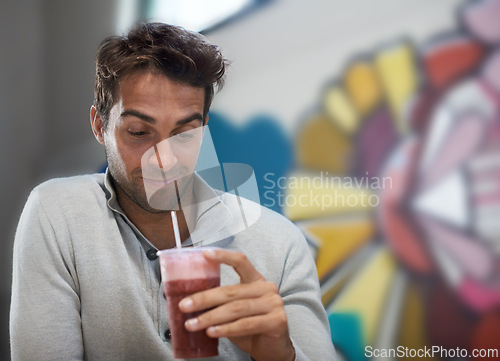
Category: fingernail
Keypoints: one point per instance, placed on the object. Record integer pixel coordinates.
(186, 303)
(191, 323)
(212, 331)
(210, 253)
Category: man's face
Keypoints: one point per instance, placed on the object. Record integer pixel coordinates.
(153, 138)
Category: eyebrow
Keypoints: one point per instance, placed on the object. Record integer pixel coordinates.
(151, 120)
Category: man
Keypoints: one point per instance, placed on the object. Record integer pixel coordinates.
(86, 279)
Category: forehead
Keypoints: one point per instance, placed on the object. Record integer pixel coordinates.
(154, 90)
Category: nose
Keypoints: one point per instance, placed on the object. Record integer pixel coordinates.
(163, 156)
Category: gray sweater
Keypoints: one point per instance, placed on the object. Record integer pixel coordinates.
(84, 287)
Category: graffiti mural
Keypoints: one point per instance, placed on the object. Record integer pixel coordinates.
(397, 188)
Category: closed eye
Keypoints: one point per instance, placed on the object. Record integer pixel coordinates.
(185, 135)
(138, 134)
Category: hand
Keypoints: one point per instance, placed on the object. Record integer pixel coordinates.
(251, 314)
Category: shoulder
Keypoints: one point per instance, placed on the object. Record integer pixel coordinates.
(71, 185)
(63, 193)
(60, 208)
(262, 220)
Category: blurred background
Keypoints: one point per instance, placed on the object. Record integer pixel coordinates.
(373, 125)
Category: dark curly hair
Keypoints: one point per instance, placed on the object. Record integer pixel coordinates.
(179, 54)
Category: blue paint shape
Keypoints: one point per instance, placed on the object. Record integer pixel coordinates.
(347, 335)
(260, 143)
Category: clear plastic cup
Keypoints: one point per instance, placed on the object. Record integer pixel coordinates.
(186, 271)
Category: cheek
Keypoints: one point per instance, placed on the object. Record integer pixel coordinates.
(122, 156)
(188, 158)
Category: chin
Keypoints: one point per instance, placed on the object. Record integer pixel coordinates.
(163, 200)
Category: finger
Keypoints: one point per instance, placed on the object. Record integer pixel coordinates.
(217, 296)
(235, 310)
(273, 325)
(238, 261)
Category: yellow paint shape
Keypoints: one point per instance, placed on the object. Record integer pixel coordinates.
(339, 241)
(340, 110)
(412, 328)
(367, 293)
(363, 87)
(398, 75)
(322, 146)
(312, 196)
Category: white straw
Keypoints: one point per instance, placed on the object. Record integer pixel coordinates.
(176, 229)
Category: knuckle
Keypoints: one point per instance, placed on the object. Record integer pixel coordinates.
(240, 307)
(277, 301)
(240, 258)
(271, 287)
(231, 292)
(281, 318)
(248, 324)
(199, 298)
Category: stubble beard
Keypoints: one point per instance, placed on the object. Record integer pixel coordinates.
(163, 201)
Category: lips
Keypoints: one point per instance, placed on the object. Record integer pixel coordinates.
(159, 182)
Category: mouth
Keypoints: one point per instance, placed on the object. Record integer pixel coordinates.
(159, 183)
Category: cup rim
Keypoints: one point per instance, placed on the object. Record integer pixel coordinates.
(186, 249)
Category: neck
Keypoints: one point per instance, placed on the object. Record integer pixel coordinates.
(156, 227)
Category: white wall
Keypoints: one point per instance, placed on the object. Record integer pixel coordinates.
(283, 54)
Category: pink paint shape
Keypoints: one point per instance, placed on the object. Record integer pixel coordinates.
(479, 297)
(470, 253)
(462, 141)
(491, 72)
(482, 18)
(399, 232)
(487, 199)
(484, 168)
(486, 186)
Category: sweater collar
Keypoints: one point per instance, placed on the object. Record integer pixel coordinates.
(206, 213)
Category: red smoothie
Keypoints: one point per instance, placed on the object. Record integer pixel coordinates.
(188, 344)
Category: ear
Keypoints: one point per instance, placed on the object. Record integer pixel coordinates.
(206, 120)
(97, 124)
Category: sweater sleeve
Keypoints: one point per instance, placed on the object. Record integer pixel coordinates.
(45, 322)
(307, 319)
